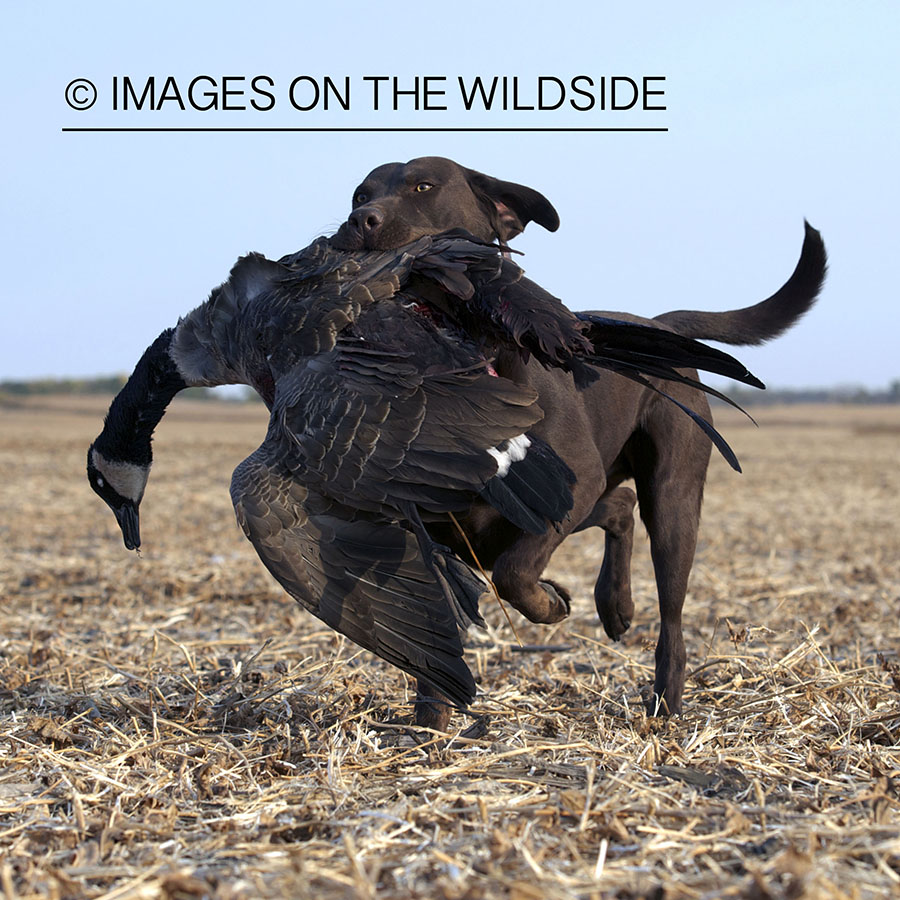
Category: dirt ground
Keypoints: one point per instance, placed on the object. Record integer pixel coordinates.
(172, 725)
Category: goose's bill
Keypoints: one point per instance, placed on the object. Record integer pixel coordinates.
(129, 521)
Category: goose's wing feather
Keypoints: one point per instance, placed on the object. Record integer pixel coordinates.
(498, 302)
(365, 578)
(658, 351)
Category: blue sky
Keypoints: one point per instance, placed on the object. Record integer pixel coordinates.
(776, 111)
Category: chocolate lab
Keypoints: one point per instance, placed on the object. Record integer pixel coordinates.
(610, 432)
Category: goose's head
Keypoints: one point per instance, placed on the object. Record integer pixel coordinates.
(121, 485)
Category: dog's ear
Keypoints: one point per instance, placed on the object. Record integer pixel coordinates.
(512, 206)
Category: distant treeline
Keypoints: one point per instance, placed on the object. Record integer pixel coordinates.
(112, 384)
(108, 385)
(851, 394)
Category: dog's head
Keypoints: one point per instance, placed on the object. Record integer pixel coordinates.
(398, 203)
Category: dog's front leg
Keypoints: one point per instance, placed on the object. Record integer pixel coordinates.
(614, 513)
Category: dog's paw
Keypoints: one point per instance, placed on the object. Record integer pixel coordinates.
(615, 620)
(657, 705)
(560, 601)
(615, 626)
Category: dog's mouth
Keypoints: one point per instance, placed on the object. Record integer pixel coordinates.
(389, 238)
(347, 239)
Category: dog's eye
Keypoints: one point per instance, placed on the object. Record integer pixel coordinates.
(423, 186)
(360, 197)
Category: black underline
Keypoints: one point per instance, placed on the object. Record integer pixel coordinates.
(314, 128)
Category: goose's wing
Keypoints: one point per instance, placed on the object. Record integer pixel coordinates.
(492, 297)
(373, 428)
(365, 578)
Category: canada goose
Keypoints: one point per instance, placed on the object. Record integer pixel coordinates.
(386, 414)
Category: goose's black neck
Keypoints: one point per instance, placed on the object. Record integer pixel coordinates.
(142, 402)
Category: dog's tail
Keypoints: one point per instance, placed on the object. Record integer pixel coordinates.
(769, 318)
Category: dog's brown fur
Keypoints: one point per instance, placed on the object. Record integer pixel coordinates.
(613, 431)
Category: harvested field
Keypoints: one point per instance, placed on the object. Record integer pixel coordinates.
(171, 725)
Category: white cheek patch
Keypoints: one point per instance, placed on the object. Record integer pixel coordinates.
(126, 479)
(514, 452)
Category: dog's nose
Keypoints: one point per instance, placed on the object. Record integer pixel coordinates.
(366, 220)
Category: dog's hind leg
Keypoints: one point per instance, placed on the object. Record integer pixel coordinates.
(614, 513)
(672, 547)
(669, 475)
